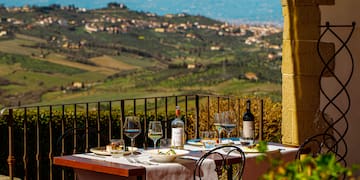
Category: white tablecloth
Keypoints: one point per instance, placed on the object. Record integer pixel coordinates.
(183, 168)
(254, 170)
(178, 169)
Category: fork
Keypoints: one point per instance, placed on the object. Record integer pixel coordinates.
(130, 160)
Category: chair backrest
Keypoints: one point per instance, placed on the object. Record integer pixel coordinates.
(80, 135)
(224, 152)
(318, 144)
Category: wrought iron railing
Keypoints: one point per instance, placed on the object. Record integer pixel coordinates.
(331, 103)
(31, 133)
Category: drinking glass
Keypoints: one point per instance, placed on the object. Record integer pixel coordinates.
(208, 139)
(155, 131)
(229, 122)
(117, 147)
(218, 119)
(132, 128)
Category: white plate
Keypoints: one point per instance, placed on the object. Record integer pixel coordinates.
(102, 150)
(255, 149)
(133, 149)
(154, 153)
(195, 143)
(249, 150)
(224, 141)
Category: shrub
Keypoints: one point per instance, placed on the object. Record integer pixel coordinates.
(323, 166)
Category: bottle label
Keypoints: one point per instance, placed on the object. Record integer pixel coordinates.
(248, 129)
(177, 137)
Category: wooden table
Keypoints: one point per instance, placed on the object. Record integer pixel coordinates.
(97, 169)
(103, 167)
(108, 170)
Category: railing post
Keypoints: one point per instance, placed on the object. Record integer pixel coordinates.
(197, 109)
(166, 118)
(37, 155)
(25, 156)
(122, 117)
(98, 123)
(11, 157)
(261, 123)
(110, 120)
(50, 144)
(87, 148)
(62, 140)
(145, 122)
(185, 117)
(75, 130)
(208, 113)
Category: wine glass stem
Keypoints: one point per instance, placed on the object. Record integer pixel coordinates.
(219, 136)
(132, 146)
(155, 144)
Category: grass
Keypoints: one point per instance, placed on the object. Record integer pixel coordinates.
(60, 59)
(136, 60)
(111, 63)
(243, 87)
(14, 47)
(95, 95)
(36, 65)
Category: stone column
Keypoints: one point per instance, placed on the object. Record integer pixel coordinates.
(301, 68)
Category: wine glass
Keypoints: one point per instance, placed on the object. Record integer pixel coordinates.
(132, 128)
(218, 119)
(155, 131)
(228, 122)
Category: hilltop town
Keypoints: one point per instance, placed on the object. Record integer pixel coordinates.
(117, 24)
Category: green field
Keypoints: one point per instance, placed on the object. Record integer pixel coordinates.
(39, 65)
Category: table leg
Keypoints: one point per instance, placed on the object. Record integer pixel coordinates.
(230, 172)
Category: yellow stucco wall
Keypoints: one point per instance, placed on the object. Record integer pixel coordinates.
(301, 69)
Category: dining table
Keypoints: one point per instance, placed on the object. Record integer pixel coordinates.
(88, 166)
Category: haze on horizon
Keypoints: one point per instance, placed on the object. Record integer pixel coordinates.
(234, 11)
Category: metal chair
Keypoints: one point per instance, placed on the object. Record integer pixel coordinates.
(81, 144)
(224, 165)
(318, 144)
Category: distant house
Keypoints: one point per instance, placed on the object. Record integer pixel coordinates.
(3, 33)
(191, 66)
(275, 47)
(78, 85)
(251, 76)
(150, 14)
(75, 86)
(181, 15)
(182, 26)
(216, 48)
(90, 29)
(161, 30)
(191, 35)
(169, 15)
(271, 56)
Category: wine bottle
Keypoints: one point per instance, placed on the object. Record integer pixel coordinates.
(248, 124)
(177, 131)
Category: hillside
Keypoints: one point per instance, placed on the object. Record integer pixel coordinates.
(62, 54)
